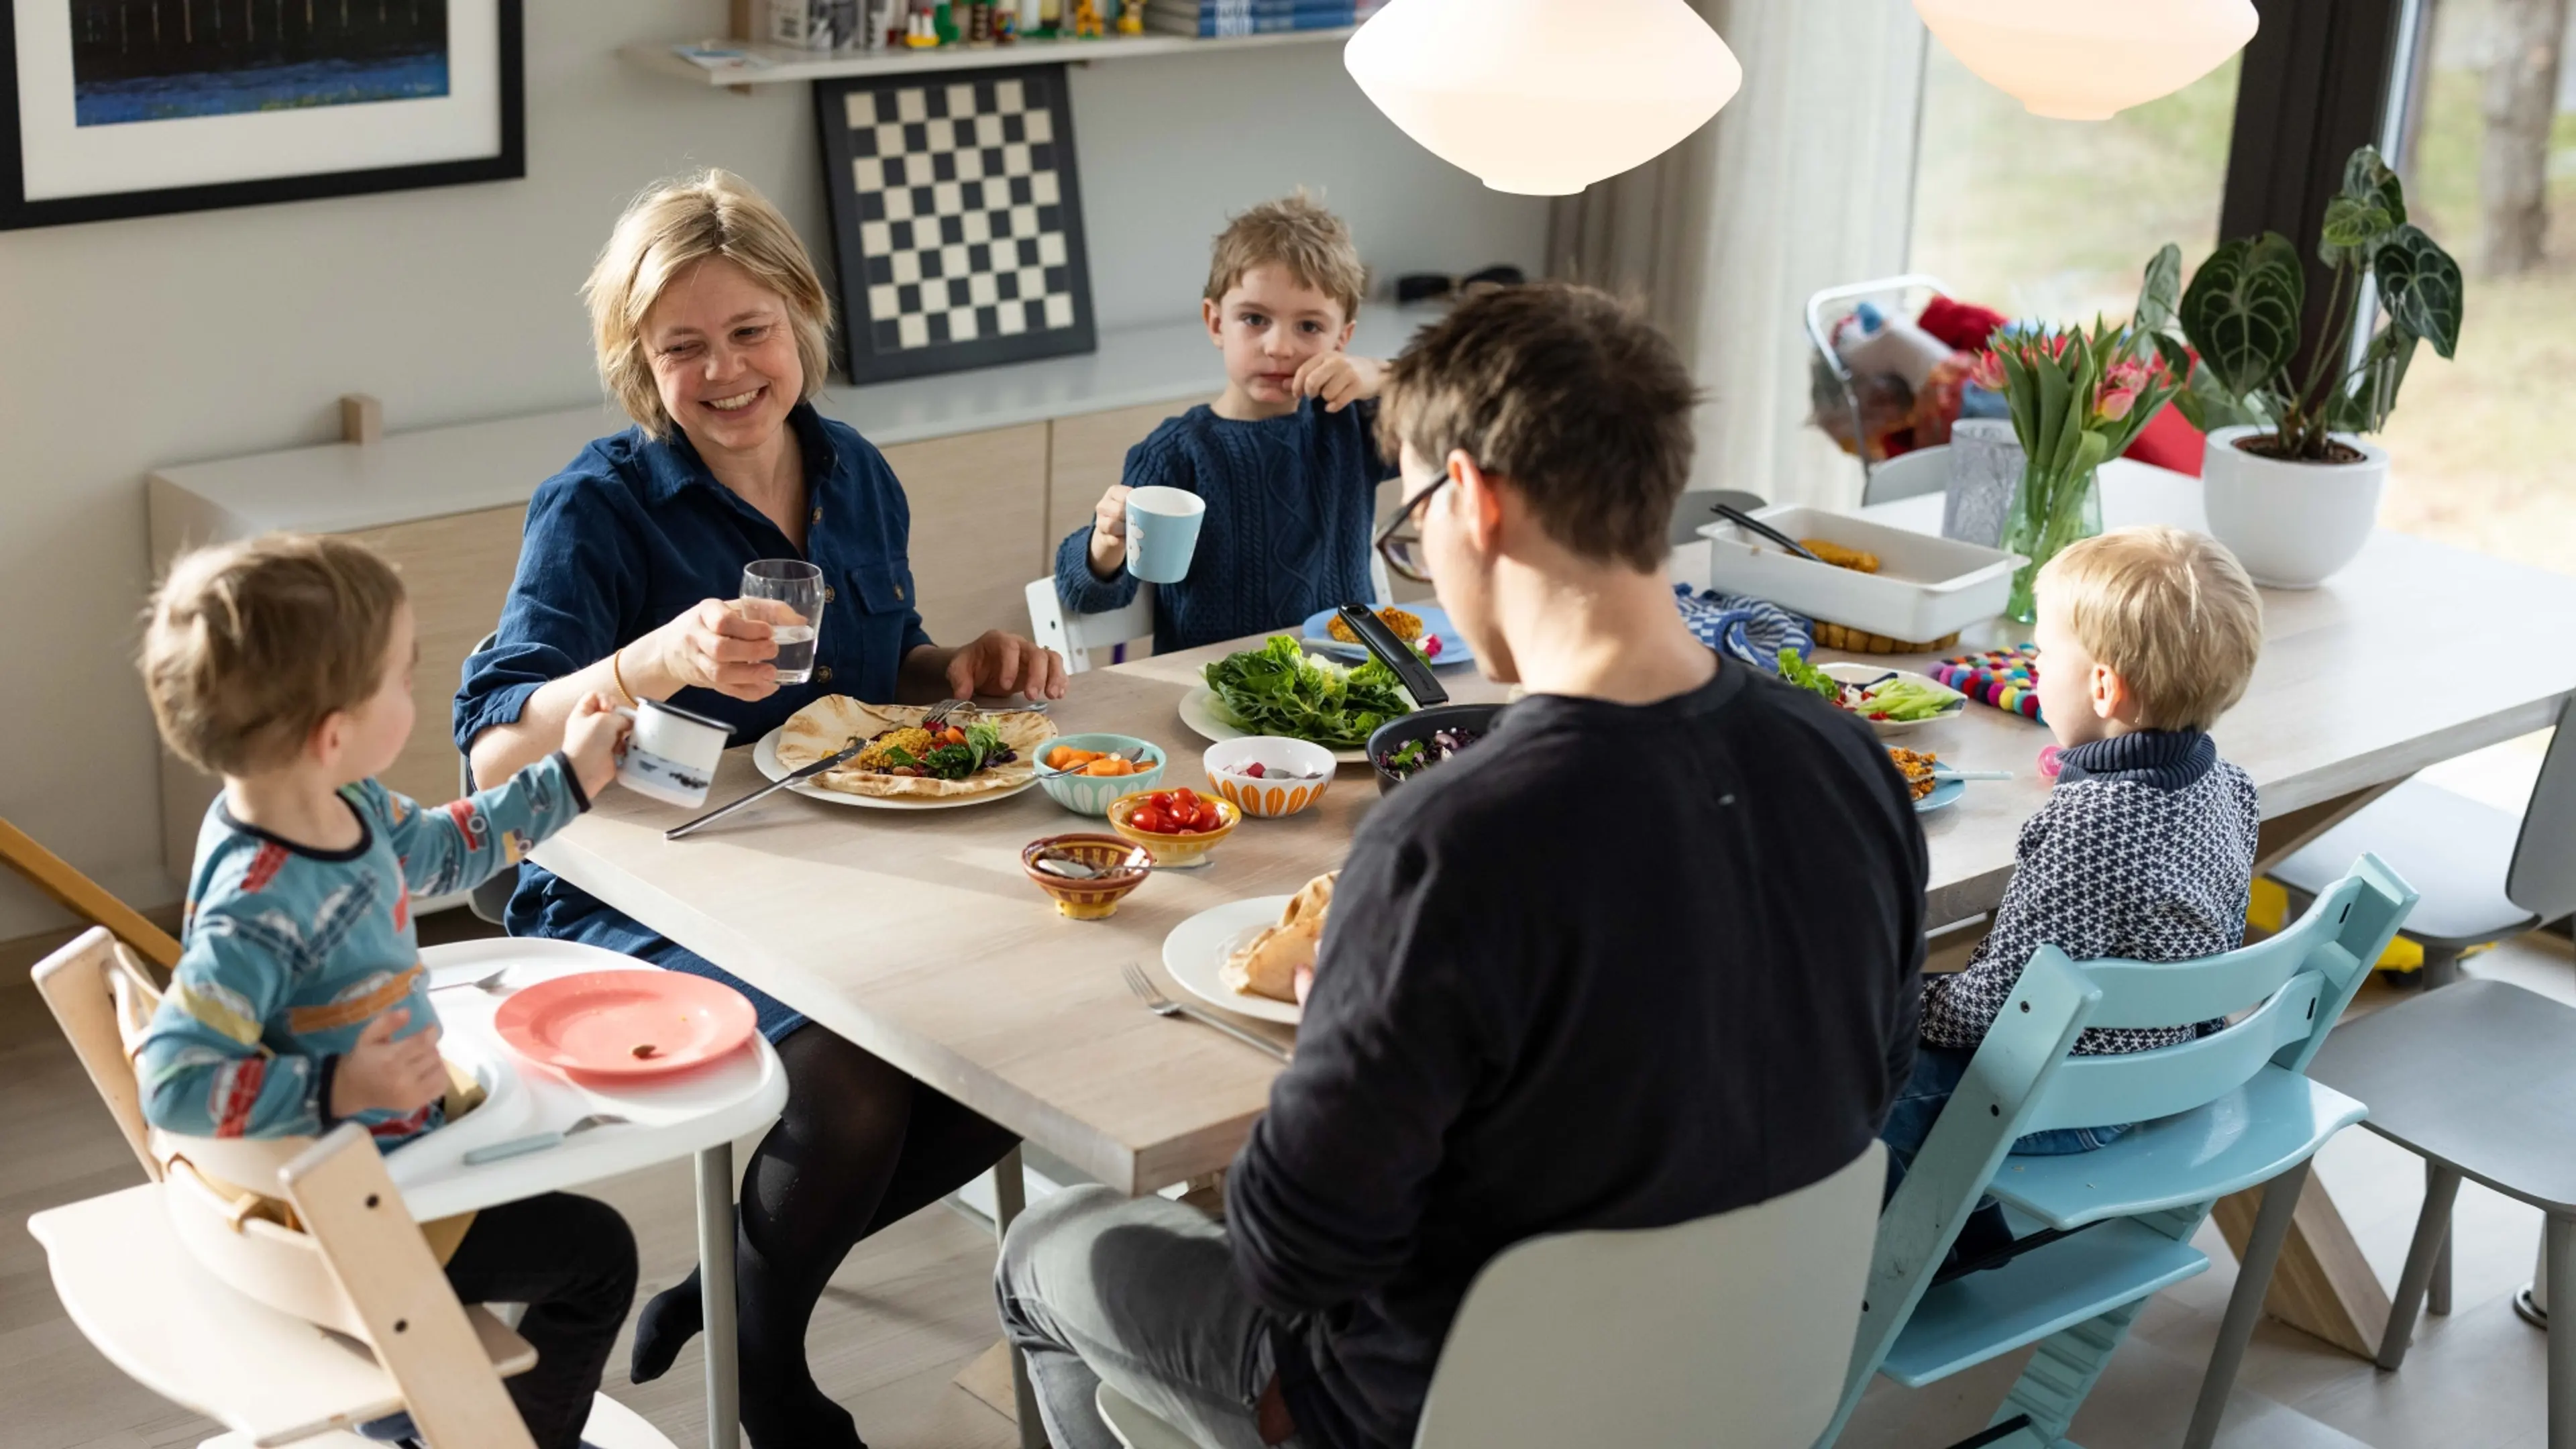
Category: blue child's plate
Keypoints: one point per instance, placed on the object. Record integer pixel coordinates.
(1947, 787)
(1435, 625)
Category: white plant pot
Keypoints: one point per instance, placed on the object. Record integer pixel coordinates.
(2291, 524)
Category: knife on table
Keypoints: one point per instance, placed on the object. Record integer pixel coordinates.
(765, 791)
(1395, 654)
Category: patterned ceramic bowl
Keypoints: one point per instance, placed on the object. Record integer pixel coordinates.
(1086, 900)
(1091, 794)
(1274, 793)
(1173, 850)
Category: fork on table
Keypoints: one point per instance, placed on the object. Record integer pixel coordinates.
(1161, 1005)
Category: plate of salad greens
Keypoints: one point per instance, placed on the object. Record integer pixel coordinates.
(1894, 701)
(1279, 689)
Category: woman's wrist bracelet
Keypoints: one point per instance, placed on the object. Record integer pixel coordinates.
(619, 675)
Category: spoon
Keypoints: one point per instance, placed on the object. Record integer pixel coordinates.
(1066, 868)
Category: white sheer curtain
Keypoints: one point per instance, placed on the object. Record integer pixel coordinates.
(1803, 182)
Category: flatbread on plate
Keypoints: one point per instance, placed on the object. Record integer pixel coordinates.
(825, 727)
(1267, 965)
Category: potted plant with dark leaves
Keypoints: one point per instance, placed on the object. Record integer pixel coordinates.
(2290, 484)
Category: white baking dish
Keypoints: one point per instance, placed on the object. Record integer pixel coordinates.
(1926, 587)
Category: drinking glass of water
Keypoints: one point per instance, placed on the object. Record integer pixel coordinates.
(798, 585)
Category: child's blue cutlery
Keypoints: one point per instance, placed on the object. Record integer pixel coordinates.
(521, 1146)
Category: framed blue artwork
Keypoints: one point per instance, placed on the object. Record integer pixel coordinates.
(117, 108)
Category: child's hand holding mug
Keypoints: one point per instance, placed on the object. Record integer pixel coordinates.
(381, 1074)
(1109, 531)
(593, 739)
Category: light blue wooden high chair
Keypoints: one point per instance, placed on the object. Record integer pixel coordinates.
(2099, 1233)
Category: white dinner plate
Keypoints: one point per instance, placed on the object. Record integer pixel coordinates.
(1195, 954)
(765, 756)
(1862, 673)
(1435, 624)
(1205, 714)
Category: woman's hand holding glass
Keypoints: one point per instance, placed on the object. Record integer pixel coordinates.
(723, 645)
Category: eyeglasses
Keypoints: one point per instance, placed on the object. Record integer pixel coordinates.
(1400, 541)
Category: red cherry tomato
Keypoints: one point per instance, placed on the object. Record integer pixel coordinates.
(1162, 800)
(1150, 820)
(1186, 796)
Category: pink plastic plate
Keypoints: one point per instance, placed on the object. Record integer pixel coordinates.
(594, 1023)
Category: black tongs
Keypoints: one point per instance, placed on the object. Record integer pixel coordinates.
(1395, 654)
(1751, 524)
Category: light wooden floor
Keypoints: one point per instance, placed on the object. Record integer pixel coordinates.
(912, 1307)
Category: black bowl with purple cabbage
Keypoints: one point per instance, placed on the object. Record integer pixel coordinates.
(1409, 744)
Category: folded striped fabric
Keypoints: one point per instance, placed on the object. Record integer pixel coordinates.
(1752, 630)
(2008, 679)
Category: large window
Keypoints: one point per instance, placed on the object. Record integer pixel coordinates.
(2479, 445)
(2056, 219)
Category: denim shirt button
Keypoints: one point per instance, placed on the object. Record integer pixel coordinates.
(823, 674)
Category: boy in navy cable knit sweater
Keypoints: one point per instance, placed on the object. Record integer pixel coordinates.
(1286, 458)
(2145, 849)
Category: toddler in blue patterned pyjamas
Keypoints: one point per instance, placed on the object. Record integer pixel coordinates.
(299, 1002)
(2145, 849)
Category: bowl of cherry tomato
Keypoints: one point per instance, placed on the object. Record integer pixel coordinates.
(1179, 826)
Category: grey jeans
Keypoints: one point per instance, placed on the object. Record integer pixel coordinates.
(1140, 1293)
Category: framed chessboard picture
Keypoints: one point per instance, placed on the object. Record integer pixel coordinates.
(956, 220)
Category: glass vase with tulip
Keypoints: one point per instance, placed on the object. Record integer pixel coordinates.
(2078, 396)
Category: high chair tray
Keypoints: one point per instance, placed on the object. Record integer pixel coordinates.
(1926, 587)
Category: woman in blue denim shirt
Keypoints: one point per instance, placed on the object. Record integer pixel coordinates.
(711, 327)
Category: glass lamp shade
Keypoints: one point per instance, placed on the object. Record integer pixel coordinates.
(1543, 97)
(2086, 60)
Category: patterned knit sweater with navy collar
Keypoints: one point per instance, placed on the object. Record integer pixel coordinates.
(2144, 852)
(1291, 502)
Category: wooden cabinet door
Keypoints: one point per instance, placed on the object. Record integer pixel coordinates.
(458, 570)
(1089, 455)
(978, 509)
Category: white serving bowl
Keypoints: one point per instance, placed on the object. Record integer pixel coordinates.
(1269, 798)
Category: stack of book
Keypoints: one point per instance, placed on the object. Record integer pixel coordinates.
(1254, 17)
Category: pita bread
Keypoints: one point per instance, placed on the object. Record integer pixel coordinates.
(824, 728)
(1268, 964)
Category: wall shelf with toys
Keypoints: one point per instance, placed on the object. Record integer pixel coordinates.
(771, 65)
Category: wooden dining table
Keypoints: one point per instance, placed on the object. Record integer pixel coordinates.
(916, 935)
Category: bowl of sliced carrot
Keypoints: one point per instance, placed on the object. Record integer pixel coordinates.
(1083, 773)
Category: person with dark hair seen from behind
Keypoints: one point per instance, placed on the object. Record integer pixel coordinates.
(1510, 1030)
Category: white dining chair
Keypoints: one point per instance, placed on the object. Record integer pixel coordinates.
(1925, 470)
(1648, 1339)
(1077, 636)
(357, 1321)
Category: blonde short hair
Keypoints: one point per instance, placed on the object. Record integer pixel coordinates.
(669, 228)
(2171, 613)
(1295, 233)
(250, 645)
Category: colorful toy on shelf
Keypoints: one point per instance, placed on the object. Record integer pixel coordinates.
(921, 27)
(979, 22)
(1086, 20)
(1131, 17)
(1050, 20)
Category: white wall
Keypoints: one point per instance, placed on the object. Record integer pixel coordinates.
(129, 345)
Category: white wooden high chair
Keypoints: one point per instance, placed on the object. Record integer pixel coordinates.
(283, 1335)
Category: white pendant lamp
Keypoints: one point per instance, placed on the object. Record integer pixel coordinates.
(1543, 97)
(2085, 60)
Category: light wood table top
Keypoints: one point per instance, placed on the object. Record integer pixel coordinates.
(918, 937)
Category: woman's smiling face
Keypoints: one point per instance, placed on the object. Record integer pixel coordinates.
(724, 356)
